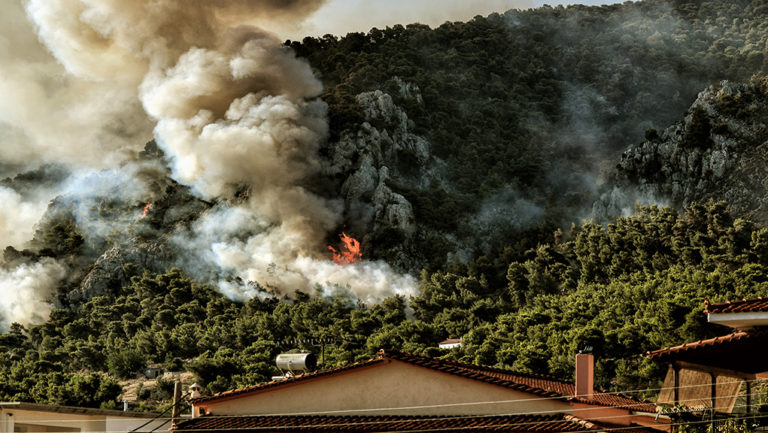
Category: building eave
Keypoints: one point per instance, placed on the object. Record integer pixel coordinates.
(739, 320)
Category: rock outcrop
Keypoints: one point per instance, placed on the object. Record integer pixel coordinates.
(370, 156)
(718, 151)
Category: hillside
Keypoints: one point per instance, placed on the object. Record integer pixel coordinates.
(473, 155)
(634, 285)
(505, 124)
(716, 152)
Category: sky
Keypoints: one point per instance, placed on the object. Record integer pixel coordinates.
(340, 17)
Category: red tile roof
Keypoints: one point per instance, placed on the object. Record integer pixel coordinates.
(741, 351)
(607, 426)
(537, 384)
(661, 354)
(558, 423)
(756, 305)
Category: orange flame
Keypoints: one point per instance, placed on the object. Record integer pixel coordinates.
(350, 251)
(146, 209)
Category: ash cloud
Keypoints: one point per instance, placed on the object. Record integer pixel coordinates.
(47, 115)
(236, 114)
(18, 217)
(26, 292)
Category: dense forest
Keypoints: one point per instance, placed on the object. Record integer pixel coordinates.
(624, 288)
(490, 141)
(508, 100)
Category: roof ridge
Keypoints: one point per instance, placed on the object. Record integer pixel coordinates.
(476, 372)
(549, 387)
(469, 366)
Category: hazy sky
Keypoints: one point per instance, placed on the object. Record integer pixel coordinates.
(340, 17)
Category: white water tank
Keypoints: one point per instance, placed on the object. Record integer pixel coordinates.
(294, 362)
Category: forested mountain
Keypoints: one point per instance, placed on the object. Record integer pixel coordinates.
(634, 285)
(505, 122)
(500, 158)
(717, 151)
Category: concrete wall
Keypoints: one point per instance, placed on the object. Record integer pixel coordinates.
(397, 387)
(20, 420)
(39, 421)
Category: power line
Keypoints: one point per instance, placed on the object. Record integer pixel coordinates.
(460, 404)
(448, 418)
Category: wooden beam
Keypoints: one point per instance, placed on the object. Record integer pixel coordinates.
(676, 389)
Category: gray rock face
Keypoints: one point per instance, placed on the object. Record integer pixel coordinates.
(718, 151)
(142, 247)
(115, 267)
(375, 151)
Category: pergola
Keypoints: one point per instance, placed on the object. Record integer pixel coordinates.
(709, 373)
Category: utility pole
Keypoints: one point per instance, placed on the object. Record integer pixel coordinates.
(176, 412)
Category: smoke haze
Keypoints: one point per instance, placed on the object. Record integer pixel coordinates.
(339, 17)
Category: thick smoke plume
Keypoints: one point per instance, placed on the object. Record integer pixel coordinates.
(235, 112)
(47, 115)
(18, 217)
(26, 290)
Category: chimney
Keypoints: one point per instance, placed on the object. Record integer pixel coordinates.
(585, 375)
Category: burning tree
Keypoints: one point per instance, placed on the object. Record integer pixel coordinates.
(350, 250)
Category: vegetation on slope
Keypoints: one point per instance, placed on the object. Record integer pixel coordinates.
(625, 288)
(509, 100)
(531, 102)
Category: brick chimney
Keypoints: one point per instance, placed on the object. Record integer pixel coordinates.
(585, 375)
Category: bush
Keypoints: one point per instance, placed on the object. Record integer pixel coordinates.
(125, 364)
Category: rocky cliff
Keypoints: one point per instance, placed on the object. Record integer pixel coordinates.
(367, 158)
(717, 151)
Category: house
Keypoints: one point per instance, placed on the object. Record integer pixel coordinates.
(399, 391)
(153, 372)
(33, 417)
(719, 372)
(449, 343)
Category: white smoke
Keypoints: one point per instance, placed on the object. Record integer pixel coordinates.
(233, 109)
(26, 291)
(241, 244)
(18, 217)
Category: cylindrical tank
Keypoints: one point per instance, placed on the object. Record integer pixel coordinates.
(296, 361)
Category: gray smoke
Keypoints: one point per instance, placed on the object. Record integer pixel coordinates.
(48, 115)
(236, 113)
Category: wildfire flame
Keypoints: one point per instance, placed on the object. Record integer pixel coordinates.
(350, 250)
(146, 209)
